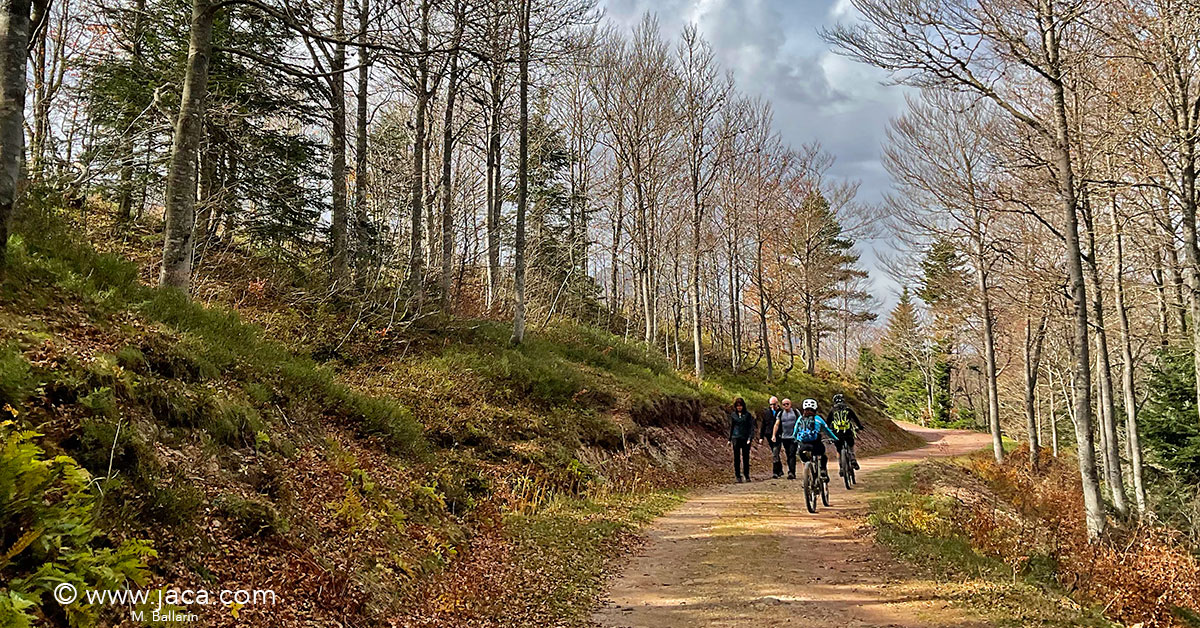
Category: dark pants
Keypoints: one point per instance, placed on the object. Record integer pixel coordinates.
(741, 457)
(815, 449)
(789, 446)
(776, 464)
(844, 439)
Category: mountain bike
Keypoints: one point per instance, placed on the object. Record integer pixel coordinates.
(812, 482)
(814, 486)
(846, 466)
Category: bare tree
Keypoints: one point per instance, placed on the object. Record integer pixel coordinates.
(984, 47)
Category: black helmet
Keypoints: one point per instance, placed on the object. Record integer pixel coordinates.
(839, 398)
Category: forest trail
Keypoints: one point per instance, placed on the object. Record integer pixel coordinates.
(751, 555)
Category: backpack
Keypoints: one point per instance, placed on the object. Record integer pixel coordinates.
(806, 429)
(841, 420)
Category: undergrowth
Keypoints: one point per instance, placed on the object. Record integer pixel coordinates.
(361, 476)
(1013, 545)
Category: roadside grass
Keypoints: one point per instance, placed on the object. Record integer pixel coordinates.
(917, 528)
(572, 541)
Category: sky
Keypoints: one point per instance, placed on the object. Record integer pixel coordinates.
(775, 51)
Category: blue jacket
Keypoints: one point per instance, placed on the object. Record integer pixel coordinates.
(808, 430)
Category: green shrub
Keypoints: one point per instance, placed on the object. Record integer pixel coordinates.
(231, 423)
(99, 442)
(174, 505)
(132, 358)
(599, 430)
(100, 401)
(251, 517)
(49, 534)
(16, 378)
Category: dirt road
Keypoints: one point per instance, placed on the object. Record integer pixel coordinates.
(750, 555)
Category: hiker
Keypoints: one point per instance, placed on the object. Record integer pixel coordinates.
(785, 428)
(741, 436)
(766, 431)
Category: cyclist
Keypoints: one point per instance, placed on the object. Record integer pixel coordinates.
(808, 435)
(845, 423)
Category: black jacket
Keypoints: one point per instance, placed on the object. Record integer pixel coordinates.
(766, 422)
(741, 425)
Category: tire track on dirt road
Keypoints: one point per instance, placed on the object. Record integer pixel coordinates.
(751, 555)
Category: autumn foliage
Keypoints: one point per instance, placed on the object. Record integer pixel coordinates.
(1138, 574)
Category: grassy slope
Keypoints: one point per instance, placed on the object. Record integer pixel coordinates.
(1011, 546)
(351, 492)
(915, 526)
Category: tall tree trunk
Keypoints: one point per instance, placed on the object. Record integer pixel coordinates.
(361, 219)
(810, 349)
(179, 214)
(518, 335)
(207, 202)
(416, 252)
(762, 314)
(14, 39)
(1179, 303)
(1108, 425)
(495, 198)
(448, 161)
(694, 292)
(1159, 276)
(337, 147)
(1033, 357)
(1191, 248)
(989, 354)
(1127, 364)
(735, 331)
(1062, 159)
(1053, 416)
(615, 246)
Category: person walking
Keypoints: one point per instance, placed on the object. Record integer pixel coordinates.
(766, 431)
(785, 428)
(741, 436)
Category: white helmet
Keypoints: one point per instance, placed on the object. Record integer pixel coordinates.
(809, 404)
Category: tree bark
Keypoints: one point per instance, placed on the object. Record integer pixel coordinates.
(762, 314)
(989, 356)
(420, 75)
(179, 213)
(1053, 416)
(1062, 160)
(448, 162)
(1033, 358)
(1127, 364)
(495, 199)
(361, 218)
(518, 335)
(337, 147)
(1110, 439)
(1191, 248)
(14, 41)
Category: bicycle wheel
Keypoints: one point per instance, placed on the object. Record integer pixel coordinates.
(846, 467)
(824, 491)
(810, 495)
(853, 474)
